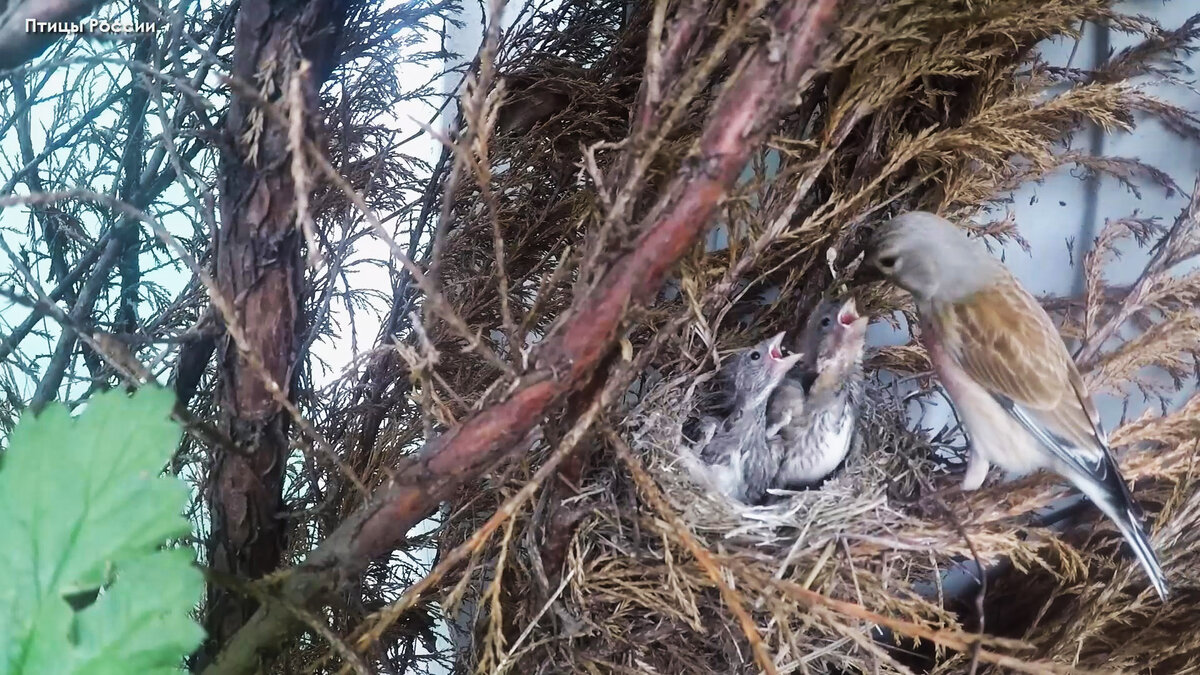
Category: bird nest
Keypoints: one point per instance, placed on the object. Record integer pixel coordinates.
(876, 570)
(839, 577)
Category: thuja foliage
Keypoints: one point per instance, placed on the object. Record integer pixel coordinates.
(89, 582)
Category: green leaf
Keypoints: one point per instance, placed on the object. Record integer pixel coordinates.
(84, 509)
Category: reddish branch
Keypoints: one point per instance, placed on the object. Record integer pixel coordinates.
(742, 116)
(559, 522)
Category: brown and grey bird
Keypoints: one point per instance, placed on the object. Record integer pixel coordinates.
(813, 414)
(737, 459)
(1014, 385)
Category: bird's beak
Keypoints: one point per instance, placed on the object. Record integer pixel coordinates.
(866, 274)
(848, 314)
(775, 351)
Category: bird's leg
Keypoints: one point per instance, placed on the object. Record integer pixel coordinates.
(977, 468)
(784, 420)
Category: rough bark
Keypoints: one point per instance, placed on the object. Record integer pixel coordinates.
(258, 268)
(739, 123)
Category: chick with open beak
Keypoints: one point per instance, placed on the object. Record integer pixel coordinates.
(737, 460)
(813, 414)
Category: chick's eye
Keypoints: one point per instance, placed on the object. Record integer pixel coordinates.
(886, 262)
(754, 356)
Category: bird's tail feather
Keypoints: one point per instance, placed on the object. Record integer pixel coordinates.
(1136, 536)
(1117, 503)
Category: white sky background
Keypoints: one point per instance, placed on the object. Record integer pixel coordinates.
(332, 354)
(339, 352)
(408, 117)
(97, 80)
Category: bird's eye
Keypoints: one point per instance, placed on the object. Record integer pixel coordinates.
(886, 262)
(825, 322)
(754, 356)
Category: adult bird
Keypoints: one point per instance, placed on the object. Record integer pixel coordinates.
(813, 413)
(1001, 360)
(736, 458)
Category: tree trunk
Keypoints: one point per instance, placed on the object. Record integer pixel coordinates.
(259, 268)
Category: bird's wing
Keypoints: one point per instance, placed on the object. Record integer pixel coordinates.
(1006, 343)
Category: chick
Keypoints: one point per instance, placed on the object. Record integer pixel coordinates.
(737, 460)
(813, 414)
